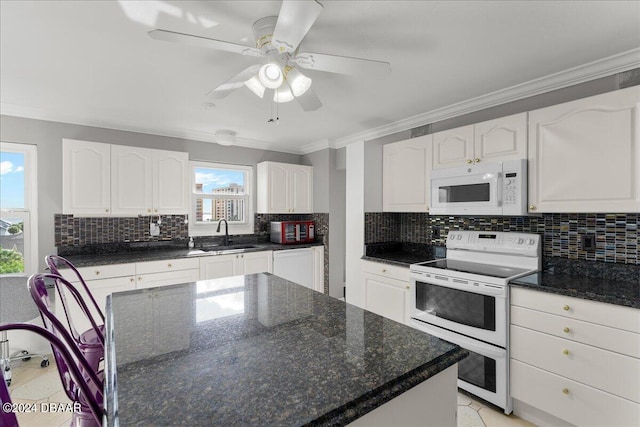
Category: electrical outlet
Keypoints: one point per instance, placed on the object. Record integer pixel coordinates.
(154, 229)
(588, 242)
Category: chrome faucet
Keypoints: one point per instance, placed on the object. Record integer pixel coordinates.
(226, 231)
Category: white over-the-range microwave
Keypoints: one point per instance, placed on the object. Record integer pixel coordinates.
(497, 188)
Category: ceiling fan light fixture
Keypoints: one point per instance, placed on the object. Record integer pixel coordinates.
(283, 94)
(255, 86)
(298, 81)
(270, 75)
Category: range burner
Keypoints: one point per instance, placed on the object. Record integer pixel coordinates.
(502, 273)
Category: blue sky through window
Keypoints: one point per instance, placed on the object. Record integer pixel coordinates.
(11, 180)
(212, 179)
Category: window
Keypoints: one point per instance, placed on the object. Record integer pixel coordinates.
(18, 209)
(220, 191)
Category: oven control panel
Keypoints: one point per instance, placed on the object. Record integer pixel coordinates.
(494, 241)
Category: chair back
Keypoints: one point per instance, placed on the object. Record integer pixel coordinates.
(38, 288)
(71, 366)
(55, 262)
(7, 417)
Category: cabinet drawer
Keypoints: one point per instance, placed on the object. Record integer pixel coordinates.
(102, 272)
(167, 265)
(604, 337)
(571, 401)
(608, 371)
(615, 316)
(392, 271)
(166, 278)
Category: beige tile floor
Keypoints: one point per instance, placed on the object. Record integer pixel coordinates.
(35, 385)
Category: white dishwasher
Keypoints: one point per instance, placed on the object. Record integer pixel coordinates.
(295, 265)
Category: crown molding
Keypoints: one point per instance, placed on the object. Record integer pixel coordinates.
(593, 70)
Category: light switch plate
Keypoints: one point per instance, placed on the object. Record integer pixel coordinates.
(154, 229)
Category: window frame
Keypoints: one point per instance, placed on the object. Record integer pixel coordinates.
(209, 229)
(29, 213)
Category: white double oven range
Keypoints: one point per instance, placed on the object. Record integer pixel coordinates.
(464, 299)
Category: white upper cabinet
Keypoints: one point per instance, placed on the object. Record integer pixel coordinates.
(86, 177)
(103, 179)
(131, 180)
(285, 188)
(406, 170)
(491, 141)
(584, 155)
(453, 147)
(171, 182)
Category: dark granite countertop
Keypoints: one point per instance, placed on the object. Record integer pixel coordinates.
(129, 254)
(257, 350)
(598, 281)
(402, 253)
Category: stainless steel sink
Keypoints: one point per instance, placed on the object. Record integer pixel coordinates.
(221, 250)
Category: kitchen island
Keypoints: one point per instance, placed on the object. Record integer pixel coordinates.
(260, 350)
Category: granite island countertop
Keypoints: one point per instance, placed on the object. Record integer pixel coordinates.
(257, 350)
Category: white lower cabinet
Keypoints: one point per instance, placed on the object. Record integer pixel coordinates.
(575, 359)
(167, 272)
(217, 266)
(386, 290)
(102, 281)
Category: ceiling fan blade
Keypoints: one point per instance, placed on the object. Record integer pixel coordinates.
(342, 64)
(294, 21)
(172, 36)
(309, 101)
(234, 82)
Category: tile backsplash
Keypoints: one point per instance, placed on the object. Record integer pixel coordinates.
(617, 238)
(80, 231)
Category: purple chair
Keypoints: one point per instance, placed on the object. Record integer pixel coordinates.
(91, 349)
(55, 262)
(7, 418)
(87, 393)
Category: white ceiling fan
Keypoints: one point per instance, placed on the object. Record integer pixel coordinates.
(277, 41)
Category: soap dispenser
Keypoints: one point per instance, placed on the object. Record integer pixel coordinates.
(191, 243)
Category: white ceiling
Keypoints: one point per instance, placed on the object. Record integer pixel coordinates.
(92, 63)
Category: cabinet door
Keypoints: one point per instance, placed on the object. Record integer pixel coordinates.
(453, 147)
(584, 155)
(86, 178)
(386, 297)
(278, 188)
(214, 267)
(300, 189)
(100, 289)
(131, 180)
(501, 139)
(170, 182)
(256, 262)
(406, 170)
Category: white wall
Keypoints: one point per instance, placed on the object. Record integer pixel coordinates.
(355, 159)
(329, 183)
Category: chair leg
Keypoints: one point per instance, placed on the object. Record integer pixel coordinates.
(5, 358)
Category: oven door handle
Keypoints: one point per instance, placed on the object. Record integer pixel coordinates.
(485, 349)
